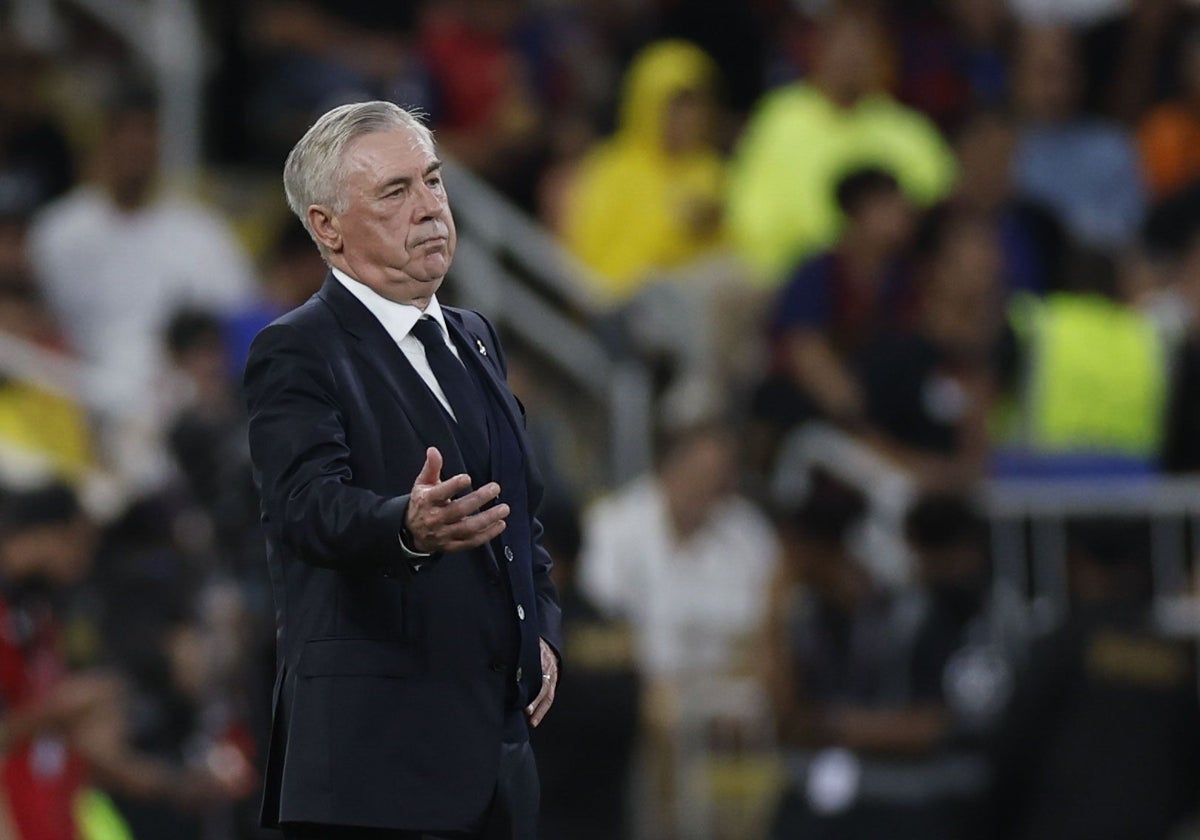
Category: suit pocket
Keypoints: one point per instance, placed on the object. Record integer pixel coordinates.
(357, 658)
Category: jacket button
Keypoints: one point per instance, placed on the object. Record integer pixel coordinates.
(520, 612)
(508, 553)
(519, 672)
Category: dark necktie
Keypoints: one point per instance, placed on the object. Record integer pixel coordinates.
(462, 392)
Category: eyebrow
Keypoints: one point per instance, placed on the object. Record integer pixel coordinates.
(404, 180)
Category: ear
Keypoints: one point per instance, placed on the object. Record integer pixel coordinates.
(325, 227)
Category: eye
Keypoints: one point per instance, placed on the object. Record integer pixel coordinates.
(435, 183)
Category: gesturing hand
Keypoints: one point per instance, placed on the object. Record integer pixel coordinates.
(438, 522)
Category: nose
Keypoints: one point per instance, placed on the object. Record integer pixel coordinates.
(428, 204)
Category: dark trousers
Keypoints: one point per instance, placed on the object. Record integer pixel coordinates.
(513, 814)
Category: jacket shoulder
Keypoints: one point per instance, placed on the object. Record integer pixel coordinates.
(312, 313)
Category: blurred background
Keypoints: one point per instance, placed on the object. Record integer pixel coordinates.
(861, 349)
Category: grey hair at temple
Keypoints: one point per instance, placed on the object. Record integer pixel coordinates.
(313, 171)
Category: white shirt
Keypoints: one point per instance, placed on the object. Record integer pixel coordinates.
(694, 605)
(399, 319)
(115, 278)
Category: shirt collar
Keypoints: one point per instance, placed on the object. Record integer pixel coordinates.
(397, 318)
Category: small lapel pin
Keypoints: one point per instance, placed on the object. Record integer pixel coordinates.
(482, 349)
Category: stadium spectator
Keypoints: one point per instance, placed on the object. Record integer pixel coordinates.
(953, 58)
(835, 303)
(1169, 136)
(1084, 169)
(1102, 738)
(174, 634)
(656, 553)
(803, 138)
(64, 731)
(649, 199)
(36, 164)
(292, 272)
(115, 258)
(307, 55)
(207, 438)
(45, 546)
(486, 106)
(966, 642)
(927, 388)
(1091, 385)
(686, 562)
(830, 637)
(1032, 241)
(597, 713)
(883, 701)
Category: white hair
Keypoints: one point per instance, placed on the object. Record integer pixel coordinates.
(313, 171)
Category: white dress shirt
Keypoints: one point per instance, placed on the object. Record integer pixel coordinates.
(695, 604)
(399, 319)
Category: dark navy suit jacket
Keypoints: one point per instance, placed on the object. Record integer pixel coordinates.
(395, 687)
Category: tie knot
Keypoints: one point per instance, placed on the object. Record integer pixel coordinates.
(428, 330)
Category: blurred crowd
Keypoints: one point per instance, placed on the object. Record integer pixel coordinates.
(960, 237)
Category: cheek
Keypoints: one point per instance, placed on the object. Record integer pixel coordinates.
(381, 232)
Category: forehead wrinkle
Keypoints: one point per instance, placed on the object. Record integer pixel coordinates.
(375, 165)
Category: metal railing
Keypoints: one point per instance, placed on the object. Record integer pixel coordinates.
(1028, 517)
(512, 269)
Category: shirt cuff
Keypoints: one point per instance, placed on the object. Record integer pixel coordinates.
(415, 558)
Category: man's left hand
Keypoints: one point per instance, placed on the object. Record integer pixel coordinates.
(545, 699)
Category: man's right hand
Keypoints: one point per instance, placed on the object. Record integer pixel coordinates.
(438, 522)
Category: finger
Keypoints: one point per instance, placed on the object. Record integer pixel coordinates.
(443, 491)
(467, 505)
(545, 700)
(537, 701)
(431, 472)
(467, 527)
(476, 540)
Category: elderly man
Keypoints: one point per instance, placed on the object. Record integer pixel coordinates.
(418, 628)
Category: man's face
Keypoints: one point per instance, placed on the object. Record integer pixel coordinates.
(888, 219)
(1046, 84)
(985, 153)
(60, 553)
(133, 152)
(396, 234)
(848, 60)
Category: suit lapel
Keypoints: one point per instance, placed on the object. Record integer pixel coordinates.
(380, 353)
(473, 349)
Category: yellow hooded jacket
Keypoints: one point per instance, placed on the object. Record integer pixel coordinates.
(628, 215)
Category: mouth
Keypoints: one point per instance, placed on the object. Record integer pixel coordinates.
(437, 239)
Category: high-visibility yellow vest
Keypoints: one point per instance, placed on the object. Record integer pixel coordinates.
(1096, 376)
(98, 818)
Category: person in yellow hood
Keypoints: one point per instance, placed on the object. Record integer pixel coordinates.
(648, 198)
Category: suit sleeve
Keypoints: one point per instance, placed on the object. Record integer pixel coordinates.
(301, 462)
(549, 611)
